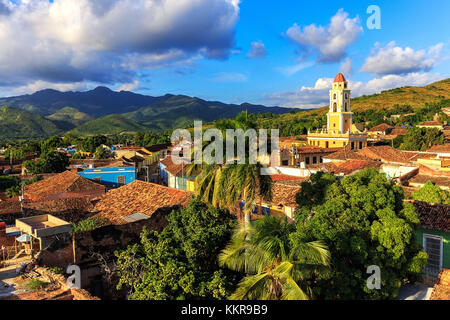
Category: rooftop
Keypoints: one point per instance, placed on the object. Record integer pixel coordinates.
(66, 182)
(138, 197)
(345, 154)
(433, 217)
(430, 123)
(339, 78)
(441, 290)
(381, 127)
(172, 167)
(440, 148)
(352, 166)
(384, 154)
(441, 181)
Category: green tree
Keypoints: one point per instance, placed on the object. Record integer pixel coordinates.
(51, 144)
(52, 162)
(364, 221)
(432, 194)
(277, 267)
(422, 139)
(181, 261)
(103, 153)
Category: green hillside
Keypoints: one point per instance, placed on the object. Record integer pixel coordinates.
(19, 124)
(68, 118)
(111, 124)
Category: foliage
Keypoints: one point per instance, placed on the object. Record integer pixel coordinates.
(89, 224)
(52, 162)
(364, 221)
(142, 139)
(181, 261)
(103, 153)
(422, 139)
(36, 284)
(16, 190)
(51, 144)
(79, 155)
(8, 182)
(432, 194)
(277, 266)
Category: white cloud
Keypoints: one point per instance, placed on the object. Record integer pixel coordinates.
(258, 50)
(346, 67)
(317, 96)
(71, 41)
(330, 42)
(129, 86)
(41, 85)
(393, 59)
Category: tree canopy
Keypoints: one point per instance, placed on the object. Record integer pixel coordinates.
(364, 221)
(432, 194)
(181, 262)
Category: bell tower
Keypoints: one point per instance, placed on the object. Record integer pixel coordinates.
(339, 114)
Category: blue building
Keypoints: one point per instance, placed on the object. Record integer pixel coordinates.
(112, 177)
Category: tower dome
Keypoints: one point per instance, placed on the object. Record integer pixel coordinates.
(340, 78)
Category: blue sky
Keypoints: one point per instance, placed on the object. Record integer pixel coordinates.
(203, 48)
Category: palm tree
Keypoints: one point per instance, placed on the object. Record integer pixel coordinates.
(226, 184)
(277, 267)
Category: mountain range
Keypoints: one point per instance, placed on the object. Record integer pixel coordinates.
(103, 111)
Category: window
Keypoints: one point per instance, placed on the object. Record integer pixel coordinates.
(307, 160)
(433, 247)
(334, 107)
(360, 145)
(353, 145)
(334, 96)
(265, 211)
(345, 106)
(121, 181)
(285, 162)
(314, 159)
(326, 144)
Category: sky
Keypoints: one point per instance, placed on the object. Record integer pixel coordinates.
(283, 53)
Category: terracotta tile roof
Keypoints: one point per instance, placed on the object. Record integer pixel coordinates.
(414, 155)
(399, 131)
(284, 194)
(339, 78)
(65, 182)
(441, 181)
(381, 127)
(430, 123)
(173, 168)
(384, 154)
(284, 177)
(138, 197)
(440, 148)
(441, 290)
(344, 154)
(433, 216)
(326, 166)
(9, 206)
(352, 166)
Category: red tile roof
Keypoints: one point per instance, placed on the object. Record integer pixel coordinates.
(283, 194)
(384, 154)
(430, 123)
(172, 167)
(399, 131)
(352, 166)
(138, 197)
(441, 290)
(440, 148)
(345, 154)
(339, 78)
(381, 127)
(433, 216)
(65, 182)
(283, 177)
(441, 181)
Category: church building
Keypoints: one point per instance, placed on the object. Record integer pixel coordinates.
(340, 130)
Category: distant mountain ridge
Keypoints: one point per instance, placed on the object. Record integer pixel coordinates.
(70, 110)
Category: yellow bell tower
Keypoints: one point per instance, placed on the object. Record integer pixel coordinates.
(339, 115)
(340, 130)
